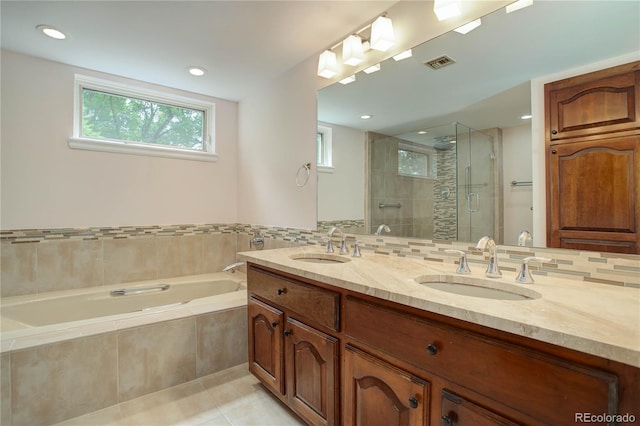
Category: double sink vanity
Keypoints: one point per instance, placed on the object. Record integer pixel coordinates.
(386, 340)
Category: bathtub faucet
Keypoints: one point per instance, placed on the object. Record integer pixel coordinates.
(232, 268)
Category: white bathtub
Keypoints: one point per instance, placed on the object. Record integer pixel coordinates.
(82, 310)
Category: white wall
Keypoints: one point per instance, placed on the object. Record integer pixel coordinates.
(516, 165)
(341, 193)
(45, 184)
(278, 125)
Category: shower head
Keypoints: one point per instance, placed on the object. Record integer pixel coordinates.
(444, 142)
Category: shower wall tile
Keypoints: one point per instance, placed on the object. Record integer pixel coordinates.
(222, 340)
(155, 357)
(129, 259)
(66, 379)
(179, 256)
(67, 265)
(18, 269)
(5, 389)
(219, 250)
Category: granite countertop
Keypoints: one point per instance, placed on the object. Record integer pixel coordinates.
(597, 319)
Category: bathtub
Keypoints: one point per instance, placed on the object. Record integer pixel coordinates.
(100, 346)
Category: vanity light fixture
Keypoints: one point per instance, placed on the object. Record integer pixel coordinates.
(403, 55)
(348, 80)
(196, 71)
(52, 32)
(517, 5)
(372, 69)
(446, 9)
(469, 27)
(352, 51)
(382, 37)
(327, 64)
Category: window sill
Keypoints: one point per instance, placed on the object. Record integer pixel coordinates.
(324, 169)
(139, 149)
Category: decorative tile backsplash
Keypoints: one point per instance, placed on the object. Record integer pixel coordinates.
(40, 260)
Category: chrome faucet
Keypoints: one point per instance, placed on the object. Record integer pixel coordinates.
(383, 227)
(493, 271)
(524, 237)
(343, 241)
(524, 276)
(257, 241)
(232, 268)
(463, 265)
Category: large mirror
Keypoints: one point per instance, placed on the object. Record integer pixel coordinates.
(446, 153)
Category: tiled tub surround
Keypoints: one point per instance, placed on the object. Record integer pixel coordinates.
(592, 318)
(57, 372)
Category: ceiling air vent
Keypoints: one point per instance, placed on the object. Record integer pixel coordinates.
(440, 62)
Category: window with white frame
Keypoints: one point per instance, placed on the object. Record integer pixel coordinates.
(114, 117)
(417, 161)
(324, 149)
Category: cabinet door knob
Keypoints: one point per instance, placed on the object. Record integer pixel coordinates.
(432, 349)
(281, 291)
(274, 324)
(413, 402)
(446, 421)
(287, 333)
(554, 132)
(553, 151)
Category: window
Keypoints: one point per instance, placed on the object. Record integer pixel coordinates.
(416, 161)
(118, 118)
(324, 149)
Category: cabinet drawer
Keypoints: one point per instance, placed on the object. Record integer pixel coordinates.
(313, 303)
(549, 388)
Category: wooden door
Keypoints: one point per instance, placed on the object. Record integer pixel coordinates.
(601, 102)
(265, 344)
(311, 360)
(457, 411)
(593, 196)
(377, 393)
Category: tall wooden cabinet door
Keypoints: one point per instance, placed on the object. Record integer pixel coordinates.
(602, 102)
(376, 393)
(594, 192)
(311, 359)
(265, 344)
(457, 411)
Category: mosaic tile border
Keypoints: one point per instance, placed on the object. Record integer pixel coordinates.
(605, 268)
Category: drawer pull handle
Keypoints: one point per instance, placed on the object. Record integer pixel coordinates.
(413, 402)
(287, 333)
(432, 349)
(281, 291)
(446, 421)
(274, 324)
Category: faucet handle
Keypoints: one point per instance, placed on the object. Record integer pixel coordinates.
(524, 276)
(329, 246)
(463, 265)
(356, 249)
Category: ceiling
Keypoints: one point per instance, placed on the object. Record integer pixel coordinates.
(243, 44)
(488, 86)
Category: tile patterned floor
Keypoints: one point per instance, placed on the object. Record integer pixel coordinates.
(232, 397)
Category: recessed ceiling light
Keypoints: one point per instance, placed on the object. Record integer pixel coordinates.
(197, 71)
(469, 27)
(403, 55)
(348, 80)
(526, 117)
(52, 32)
(372, 68)
(517, 5)
(422, 132)
(366, 116)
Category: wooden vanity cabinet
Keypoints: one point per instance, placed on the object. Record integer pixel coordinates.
(593, 160)
(288, 352)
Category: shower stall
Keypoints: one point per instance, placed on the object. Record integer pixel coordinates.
(437, 183)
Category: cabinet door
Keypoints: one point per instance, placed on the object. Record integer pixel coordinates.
(376, 393)
(461, 412)
(597, 103)
(265, 344)
(311, 359)
(593, 198)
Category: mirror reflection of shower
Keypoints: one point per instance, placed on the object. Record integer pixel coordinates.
(446, 179)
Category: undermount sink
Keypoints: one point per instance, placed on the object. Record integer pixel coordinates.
(320, 258)
(474, 287)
